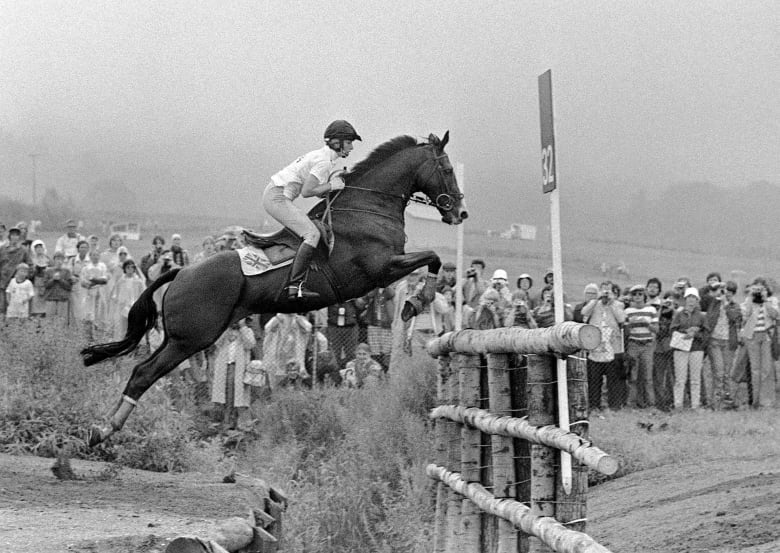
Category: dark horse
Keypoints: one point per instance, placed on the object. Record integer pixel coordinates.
(367, 221)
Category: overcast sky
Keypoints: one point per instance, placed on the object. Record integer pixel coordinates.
(205, 100)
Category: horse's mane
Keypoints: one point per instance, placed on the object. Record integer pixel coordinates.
(382, 153)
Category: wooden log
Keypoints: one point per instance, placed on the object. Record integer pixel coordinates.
(563, 338)
(275, 528)
(571, 508)
(518, 380)
(580, 449)
(470, 453)
(191, 544)
(503, 476)
(548, 530)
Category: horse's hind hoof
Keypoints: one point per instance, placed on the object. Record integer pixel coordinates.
(95, 436)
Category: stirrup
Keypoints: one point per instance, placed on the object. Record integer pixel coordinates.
(298, 292)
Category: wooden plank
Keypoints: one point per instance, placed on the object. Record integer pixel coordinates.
(470, 453)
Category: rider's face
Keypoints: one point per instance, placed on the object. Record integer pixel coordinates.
(346, 147)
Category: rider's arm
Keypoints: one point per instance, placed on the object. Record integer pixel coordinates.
(313, 187)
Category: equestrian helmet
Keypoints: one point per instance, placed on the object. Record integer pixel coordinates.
(342, 130)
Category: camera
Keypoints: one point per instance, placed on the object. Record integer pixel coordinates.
(471, 272)
(758, 296)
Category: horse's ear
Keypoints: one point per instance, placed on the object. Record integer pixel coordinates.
(433, 139)
(445, 140)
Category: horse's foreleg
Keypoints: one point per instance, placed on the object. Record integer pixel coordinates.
(402, 265)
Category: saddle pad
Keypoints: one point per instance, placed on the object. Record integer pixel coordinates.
(254, 261)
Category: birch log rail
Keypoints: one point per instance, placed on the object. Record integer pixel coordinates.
(502, 383)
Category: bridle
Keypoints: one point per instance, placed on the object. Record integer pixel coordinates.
(444, 201)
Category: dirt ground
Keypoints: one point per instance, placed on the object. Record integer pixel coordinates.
(718, 507)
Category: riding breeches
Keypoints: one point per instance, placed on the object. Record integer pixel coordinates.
(281, 208)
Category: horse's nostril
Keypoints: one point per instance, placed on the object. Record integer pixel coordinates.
(464, 214)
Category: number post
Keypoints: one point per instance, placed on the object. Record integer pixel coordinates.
(550, 185)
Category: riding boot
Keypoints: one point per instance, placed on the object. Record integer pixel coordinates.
(298, 272)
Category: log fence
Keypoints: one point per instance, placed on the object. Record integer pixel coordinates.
(497, 443)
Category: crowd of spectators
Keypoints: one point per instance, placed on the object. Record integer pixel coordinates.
(686, 346)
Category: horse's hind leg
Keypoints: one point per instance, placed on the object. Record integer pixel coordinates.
(164, 360)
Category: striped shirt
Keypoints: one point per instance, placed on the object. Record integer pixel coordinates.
(760, 319)
(638, 321)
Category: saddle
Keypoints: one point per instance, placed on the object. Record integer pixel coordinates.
(281, 246)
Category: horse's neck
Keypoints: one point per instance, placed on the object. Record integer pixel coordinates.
(395, 177)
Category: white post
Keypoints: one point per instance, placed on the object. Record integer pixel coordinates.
(459, 257)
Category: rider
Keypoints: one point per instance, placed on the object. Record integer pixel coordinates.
(307, 176)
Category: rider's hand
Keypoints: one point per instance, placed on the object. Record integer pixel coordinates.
(337, 183)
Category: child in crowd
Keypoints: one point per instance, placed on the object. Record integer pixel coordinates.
(19, 293)
(362, 370)
(127, 289)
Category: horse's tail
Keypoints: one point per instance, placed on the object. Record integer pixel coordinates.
(141, 319)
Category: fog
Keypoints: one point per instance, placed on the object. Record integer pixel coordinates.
(193, 105)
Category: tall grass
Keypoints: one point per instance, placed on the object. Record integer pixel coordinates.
(351, 461)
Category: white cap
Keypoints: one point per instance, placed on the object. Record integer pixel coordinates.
(691, 292)
(500, 274)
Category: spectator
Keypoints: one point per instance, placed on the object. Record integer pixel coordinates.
(208, 250)
(520, 314)
(94, 243)
(342, 330)
(709, 290)
(57, 289)
(286, 337)
(232, 354)
(3, 237)
(474, 285)
(663, 366)
(724, 317)
(525, 283)
(40, 262)
(653, 290)
(362, 370)
(606, 313)
(499, 282)
(760, 319)
(428, 323)
(110, 256)
(687, 364)
(11, 256)
(447, 277)
(126, 290)
(78, 293)
(19, 293)
(68, 242)
(151, 258)
(180, 256)
(544, 313)
(642, 325)
(379, 315)
(94, 277)
(591, 292)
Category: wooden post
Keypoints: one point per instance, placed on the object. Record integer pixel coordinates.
(443, 397)
(571, 509)
(502, 446)
(453, 460)
(470, 456)
(541, 398)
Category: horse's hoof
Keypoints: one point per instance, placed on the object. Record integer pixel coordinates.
(412, 308)
(95, 436)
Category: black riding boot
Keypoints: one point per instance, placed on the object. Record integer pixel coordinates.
(298, 272)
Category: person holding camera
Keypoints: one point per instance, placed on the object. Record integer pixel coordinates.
(758, 331)
(724, 317)
(608, 314)
(474, 285)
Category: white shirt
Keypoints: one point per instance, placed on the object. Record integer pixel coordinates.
(319, 163)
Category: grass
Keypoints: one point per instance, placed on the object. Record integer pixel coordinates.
(351, 461)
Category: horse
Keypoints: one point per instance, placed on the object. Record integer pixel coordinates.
(366, 219)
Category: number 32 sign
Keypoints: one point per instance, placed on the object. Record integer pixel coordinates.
(548, 132)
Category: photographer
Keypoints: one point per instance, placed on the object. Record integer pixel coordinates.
(474, 285)
(606, 313)
(758, 332)
(724, 318)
